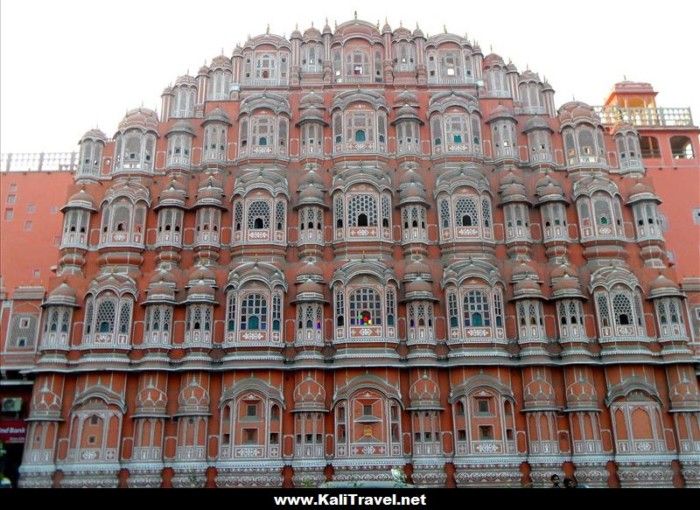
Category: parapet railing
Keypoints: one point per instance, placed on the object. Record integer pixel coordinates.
(645, 117)
(39, 162)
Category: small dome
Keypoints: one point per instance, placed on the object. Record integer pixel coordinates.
(549, 190)
(327, 28)
(417, 267)
(80, 200)
(311, 100)
(310, 270)
(402, 33)
(64, 295)
(221, 62)
(492, 59)
(410, 176)
(312, 33)
(186, 80)
(576, 111)
(523, 270)
(181, 126)
(217, 115)
(140, 118)
(406, 97)
(642, 192)
(536, 122)
(623, 127)
(386, 29)
(513, 190)
(501, 112)
(202, 273)
(510, 68)
(663, 286)
(526, 288)
(311, 195)
(418, 285)
(201, 293)
(94, 134)
(528, 75)
(408, 112)
(565, 284)
(203, 71)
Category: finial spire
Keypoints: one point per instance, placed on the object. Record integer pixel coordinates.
(444, 27)
(267, 30)
(355, 14)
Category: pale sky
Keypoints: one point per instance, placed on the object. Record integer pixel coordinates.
(70, 65)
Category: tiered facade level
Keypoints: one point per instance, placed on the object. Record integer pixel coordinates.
(358, 249)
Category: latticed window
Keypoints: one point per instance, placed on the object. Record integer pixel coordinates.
(390, 307)
(452, 310)
(603, 310)
(445, 213)
(231, 311)
(498, 308)
(386, 211)
(88, 317)
(362, 211)
(254, 312)
(158, 318)
(263, 130)
(124, 318)
(339, 211)
(259, 215)
(276, 313)
(486, 212)
(279, 215)
(219, 85)
(340, 308)
(265, 67)
(365, 308)
(622, 310)
(456, 128)
(106, 315)
(238, 216)
(465, 212)
(476, 309)
(570, 313)
(603, 214)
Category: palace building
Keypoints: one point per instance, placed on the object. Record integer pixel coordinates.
(362, 248)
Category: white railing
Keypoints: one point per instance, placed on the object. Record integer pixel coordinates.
(640, 446)
(544, 447)
(92, 455)
(38, 457)
(408, 148)
(54, 340)
(182, 161)
(185, 453)
(356, 78)
(168, 238)
(147, 454)
(432, 448)
(541, 157)
(485, 447)
(675, 117)
(39, 161)
(631, 164)
(588, 447)
(518, 234)
(340, 148)
(689, 446)
(157, 339)
(197, 339)
(214, 155)
(556, 233)
(264, 82)
(74, 239)
(450, 80)
(313, 451)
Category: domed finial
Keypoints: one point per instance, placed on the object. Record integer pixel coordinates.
(400, 23)
(355, 14)
(490, 48)
(267, 30)
(444, 28)
(624, 77)
(312, 24)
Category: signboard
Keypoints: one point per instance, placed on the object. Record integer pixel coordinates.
(13, 431)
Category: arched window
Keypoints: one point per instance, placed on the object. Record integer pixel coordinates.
(106, 315)
(231, 312)
(365, 308)
(362, 210)
(682, 148)
(452, 310)
(360, 135)
(259, 215)
(465, 212)
(254, 312)
(476, 309)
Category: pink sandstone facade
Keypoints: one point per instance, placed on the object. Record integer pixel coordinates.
(360, 249)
